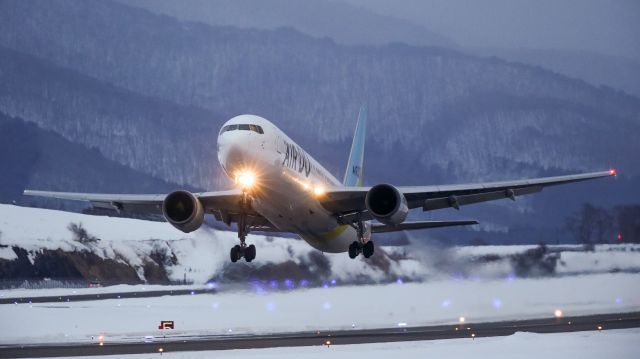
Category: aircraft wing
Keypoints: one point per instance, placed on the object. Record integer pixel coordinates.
(224, 205)
(142, 203)
(348, 202)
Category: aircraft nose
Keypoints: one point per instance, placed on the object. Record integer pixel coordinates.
(233, 153)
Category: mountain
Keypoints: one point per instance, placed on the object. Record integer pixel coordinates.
(345, 23)
(597, 69)
(151, 92)
(353, 24)
(477, 114)
(31, 157)
(134, 130)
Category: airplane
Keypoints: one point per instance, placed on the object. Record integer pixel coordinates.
(281, 188)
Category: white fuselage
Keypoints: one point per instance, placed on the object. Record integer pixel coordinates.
(289, 182)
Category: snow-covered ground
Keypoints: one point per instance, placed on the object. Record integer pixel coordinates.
(619, 344)
(448, 283)
(203, 254)
(339, 307)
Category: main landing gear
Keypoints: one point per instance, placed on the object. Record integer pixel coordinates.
(242, 250)
(360, 246)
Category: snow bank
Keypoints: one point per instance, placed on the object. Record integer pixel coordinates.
(203, 254)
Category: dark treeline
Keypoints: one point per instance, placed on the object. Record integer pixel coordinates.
(592, 224)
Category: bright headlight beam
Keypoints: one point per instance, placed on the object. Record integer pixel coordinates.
(246, 179)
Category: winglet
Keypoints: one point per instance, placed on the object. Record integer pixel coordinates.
(353, 174)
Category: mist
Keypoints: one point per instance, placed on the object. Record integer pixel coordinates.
(605, 27)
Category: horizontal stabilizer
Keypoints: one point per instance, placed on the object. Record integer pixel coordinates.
(382, 228)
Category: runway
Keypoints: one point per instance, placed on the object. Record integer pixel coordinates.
(356, 336)
(103, 296)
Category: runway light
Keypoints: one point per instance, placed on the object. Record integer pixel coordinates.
(618, 300)
(461, 320)
(402, 324)
(473, 336)
(497, 303)
(557, 313)
(160, 350)
(599, 328)
(101, 344)
(327, 343)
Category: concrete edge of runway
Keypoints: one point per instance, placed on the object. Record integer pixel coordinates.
(335, 337)
(103, 296)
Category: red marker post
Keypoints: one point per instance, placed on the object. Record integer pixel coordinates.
(166, 324)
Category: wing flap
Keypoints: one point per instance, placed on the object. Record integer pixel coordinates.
(457, 201)
(383, 228)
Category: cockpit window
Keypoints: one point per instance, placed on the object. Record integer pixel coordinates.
(254, 128)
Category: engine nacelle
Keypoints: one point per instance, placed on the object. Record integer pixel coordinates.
(387, 204)
(183, 210)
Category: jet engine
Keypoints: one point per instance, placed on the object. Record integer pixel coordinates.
(387, 204)
(183, 210)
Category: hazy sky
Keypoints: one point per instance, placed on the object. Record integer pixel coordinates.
(609, 27)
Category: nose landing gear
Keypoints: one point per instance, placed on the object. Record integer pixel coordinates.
(242, 250)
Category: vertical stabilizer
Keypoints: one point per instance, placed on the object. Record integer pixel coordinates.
(353, 174)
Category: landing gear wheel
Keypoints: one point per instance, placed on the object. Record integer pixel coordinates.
(250, 253)
(242, 250)
(368, 249)
(235, 253)
(354, 250)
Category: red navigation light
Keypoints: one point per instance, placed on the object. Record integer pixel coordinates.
(613, 172)
(619, 236)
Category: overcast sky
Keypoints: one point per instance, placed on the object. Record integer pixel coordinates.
(608, 27)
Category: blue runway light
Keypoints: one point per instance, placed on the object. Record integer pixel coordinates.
(497, 303)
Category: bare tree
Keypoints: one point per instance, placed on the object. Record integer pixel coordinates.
(80, 234)
(591, 224)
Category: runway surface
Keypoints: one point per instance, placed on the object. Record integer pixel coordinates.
(356, 336)
(102, 296)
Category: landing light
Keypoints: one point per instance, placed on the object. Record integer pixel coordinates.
(246, 179)
(557, 313)
(318, 191)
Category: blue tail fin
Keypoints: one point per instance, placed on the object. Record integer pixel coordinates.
(353, 175)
